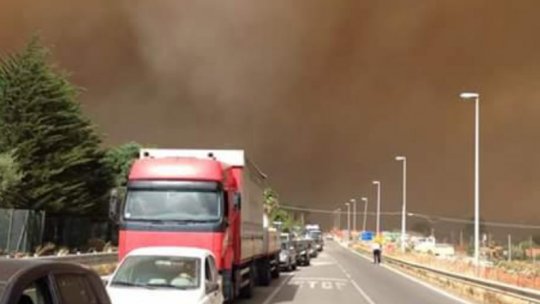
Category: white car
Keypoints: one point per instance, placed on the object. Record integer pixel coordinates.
(166, 275)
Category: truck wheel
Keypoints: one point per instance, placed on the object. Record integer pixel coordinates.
(275, 272)
(265, 273)
(228, 289)
(247, 291)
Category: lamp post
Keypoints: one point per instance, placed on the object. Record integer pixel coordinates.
(353, 201)
(348, 221)
(339, 218)
(365, 200)
(404, 203)
(476, 98)
(378, 226)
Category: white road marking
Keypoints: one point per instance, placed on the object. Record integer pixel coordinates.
(318, 279)
(277, 290)
(319, 283)
(327, 285)
(322, 263)
(431, 287)
(358, 288)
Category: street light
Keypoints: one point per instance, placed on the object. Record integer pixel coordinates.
(353, 201)
(348, 221)
(404, 204)
(339, 218)
(378, 184)
(365, 200)
(476, 97)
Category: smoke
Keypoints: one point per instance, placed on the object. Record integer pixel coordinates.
(323, 94)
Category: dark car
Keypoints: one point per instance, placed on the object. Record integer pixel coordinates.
(303, 255)
(32, 281)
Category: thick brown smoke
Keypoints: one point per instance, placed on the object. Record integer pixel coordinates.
(322, 93)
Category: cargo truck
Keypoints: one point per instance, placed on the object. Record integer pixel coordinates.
(211, 199)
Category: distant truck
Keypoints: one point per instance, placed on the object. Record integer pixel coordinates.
(314, 232)
(210, 199)
(430, 245)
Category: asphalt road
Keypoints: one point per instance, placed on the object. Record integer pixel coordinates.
(340, 276)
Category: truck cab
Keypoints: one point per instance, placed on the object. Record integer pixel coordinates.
(208, 199)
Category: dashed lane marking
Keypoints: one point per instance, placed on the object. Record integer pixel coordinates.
(277, 290)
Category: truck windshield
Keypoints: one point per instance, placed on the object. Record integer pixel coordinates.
(158, 271)
(174, 205)
(314, 234)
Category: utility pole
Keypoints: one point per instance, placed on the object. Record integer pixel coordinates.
(365, 213)
(404, 203)
(353, 201)
(378, 226)
(509, 248)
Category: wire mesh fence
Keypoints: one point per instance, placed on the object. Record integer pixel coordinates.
(20, 230)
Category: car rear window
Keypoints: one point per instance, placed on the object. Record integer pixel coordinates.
(75, 288)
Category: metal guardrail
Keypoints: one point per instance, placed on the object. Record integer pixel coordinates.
(516, 291)
(88, 259)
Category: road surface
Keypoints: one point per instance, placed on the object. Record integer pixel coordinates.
(339, 276)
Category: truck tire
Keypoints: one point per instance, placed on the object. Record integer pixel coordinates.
(265, 273)
(246, 292)
(228, 288)
(275, 272)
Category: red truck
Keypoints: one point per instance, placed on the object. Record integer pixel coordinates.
(211, 199)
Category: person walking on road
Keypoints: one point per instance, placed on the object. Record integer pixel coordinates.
(377, 251)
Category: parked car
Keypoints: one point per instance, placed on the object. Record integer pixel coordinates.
(43, 281)
(312, 247)
(302, 248)
(166, 275)
(288, 256)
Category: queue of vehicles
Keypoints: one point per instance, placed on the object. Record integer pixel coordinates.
(191, 227)
(206, 199)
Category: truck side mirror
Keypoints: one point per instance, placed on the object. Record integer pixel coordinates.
(113, 205)
(237, 201)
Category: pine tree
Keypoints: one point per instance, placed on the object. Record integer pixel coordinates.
(55, 146)
(119, 160)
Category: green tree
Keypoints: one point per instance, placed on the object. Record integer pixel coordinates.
(271, 200)
(55, 146)
(10, 178)
(119, 160)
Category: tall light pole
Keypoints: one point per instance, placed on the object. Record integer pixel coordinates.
(339, 218)
(378, 184)
(476, 98)
(404, 204)
(365, 200)
(348, 221)
(335, 218)
(353, 201)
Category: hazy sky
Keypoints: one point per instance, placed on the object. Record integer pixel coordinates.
(323, 94)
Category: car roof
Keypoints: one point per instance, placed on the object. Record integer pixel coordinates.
(11, 267)
(171, 251)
